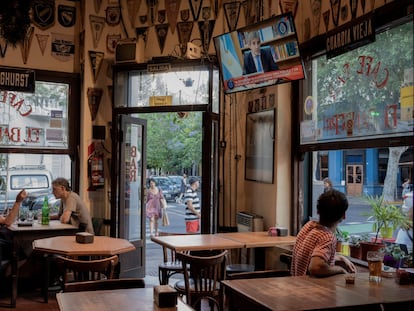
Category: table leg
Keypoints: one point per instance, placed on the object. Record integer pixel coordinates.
(259, 258)
(14, 273)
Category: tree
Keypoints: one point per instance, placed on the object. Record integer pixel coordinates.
(390, 182)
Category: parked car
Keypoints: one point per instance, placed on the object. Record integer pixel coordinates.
(176, 181)
(407, 202)
(35, 179)
(165, 184)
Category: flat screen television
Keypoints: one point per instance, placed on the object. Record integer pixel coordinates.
(260, 54)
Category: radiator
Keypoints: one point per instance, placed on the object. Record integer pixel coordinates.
(247, 222)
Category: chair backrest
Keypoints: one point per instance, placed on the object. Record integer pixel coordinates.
(206, 274)
(287, 259)
(168, 253)
(97, 224)
(85, 270)
(108, 284)
(258, 274)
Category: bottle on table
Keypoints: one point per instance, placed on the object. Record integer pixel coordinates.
(45, 211)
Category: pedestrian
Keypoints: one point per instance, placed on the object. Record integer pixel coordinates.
(183, 188)
(192, 207)
(406, 186)
(155, 201)
(327, 184)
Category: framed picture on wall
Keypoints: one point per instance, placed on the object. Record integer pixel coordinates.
(260, 137)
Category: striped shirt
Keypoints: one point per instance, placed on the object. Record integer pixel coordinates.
(191, 196)
(313, 240)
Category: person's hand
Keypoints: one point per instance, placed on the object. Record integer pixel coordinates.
(21, 196)
(345, 263)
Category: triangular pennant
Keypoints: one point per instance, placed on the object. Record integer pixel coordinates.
(152, 10)
(354, 6)
(195, 6)
(97, 5)
(326, 16)
(215, 4)
(162, 31)
(133, 8)
(232, 11)
(25, 46)
(94, 100)
(288, 6)
(248, 9)
(316, 14)
(95, 59)
(184, 35)
(3, 47)
(42, 41)
(173, 8)
(206, 30)
(335, 7)
(97, 26)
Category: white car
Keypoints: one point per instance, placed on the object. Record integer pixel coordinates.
(408, 202)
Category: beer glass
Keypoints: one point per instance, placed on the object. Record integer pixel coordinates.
(375, 265)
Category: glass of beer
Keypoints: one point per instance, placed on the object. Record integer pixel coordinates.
(375, 265)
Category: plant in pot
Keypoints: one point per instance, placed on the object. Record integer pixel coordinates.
(387, 218)
(354, 246)
(394, 256)
(341, 238)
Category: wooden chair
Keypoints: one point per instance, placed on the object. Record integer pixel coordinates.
(87, 270)
(286, 259)
(171, 265)
(106, 284)
(258, 274)
(202, 276)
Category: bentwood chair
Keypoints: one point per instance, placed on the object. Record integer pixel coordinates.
(286, 259)
(258, 274)
(170, 265)
(87, 270)
(202, 276)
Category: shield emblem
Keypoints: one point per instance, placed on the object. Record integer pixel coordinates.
(44, 13)
(66, 15)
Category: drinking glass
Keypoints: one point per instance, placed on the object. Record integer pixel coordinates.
(375, 259)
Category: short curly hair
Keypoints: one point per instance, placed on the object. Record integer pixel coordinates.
(331, 206)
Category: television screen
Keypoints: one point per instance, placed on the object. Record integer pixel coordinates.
(258, 55)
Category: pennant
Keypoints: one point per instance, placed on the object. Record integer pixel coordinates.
(133, 7)
(162, 16)
(326, 16)
(94, 100)
(185, 15)
(195, 6)
(162, 31)
(152, 9)
(335, 5)
(43, 13)
(111, 42)
(184, 35)
(363, 6)
(97, 25)
(42, 41)
(142, 31)
(215, 5)
(172, 8)
(25, 46)
(316, 15)
(3, 47)
(206, 30)
(97, 5)
(344, 12)
(66, 15)
(95, 59)
(248, 9)
(63, 46)
(232, 11)
(113, 15)
(206, 13)
(289, 6)
(354, 6)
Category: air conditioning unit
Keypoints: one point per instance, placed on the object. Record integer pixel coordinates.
(247, 222)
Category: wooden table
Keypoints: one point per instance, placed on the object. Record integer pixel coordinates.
(120, 299)
(67, 246)
(22, 239)
(306, 293)
(259, 241)
(196, 242)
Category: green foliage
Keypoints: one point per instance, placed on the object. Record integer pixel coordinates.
(342, 236)
(385, 215)
(173, 143)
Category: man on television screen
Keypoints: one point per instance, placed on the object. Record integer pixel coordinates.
(259, 58)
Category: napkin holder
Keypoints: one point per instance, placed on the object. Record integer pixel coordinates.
(165, 296)
(84, 237)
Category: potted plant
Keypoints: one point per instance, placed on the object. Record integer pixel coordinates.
(394, 256)
(387, 217)
(341, 238)
(354, 246)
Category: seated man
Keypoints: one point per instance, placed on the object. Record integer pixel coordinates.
(14, 211)
(315, 246)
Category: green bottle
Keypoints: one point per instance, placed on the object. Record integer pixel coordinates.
(45, 211)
